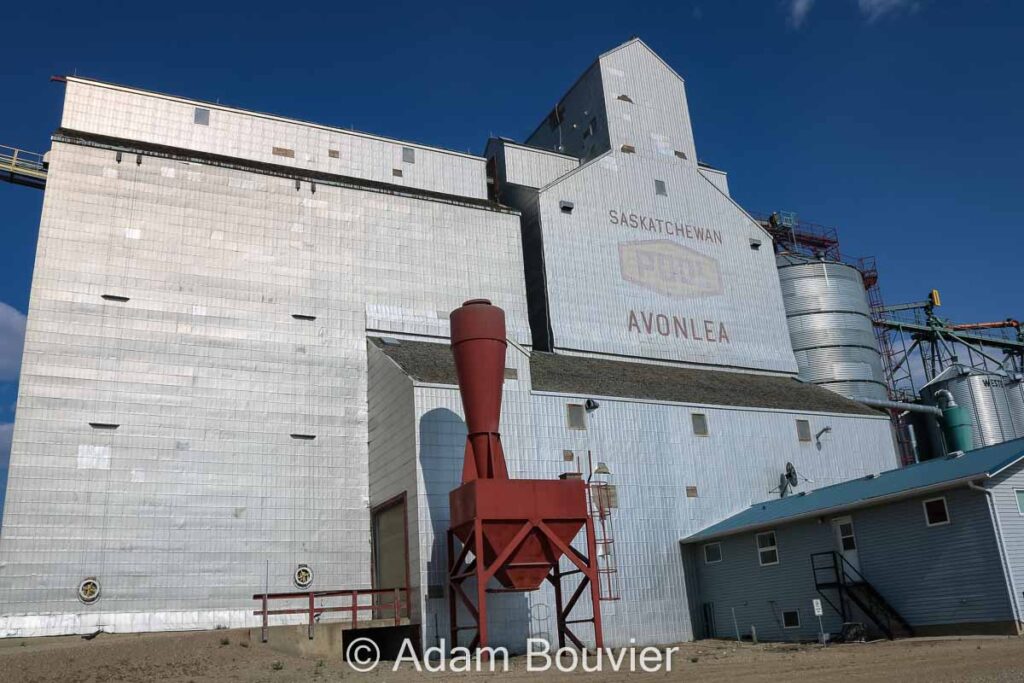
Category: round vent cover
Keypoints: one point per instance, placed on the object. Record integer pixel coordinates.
(303, 576)
(89, 590)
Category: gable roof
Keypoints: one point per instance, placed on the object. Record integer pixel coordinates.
(584, 376)
(907, 482)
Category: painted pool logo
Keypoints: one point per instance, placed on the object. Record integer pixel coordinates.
(668, 268)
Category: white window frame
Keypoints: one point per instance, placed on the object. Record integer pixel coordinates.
(760, 550)
(790, 611)
(1016, 496)
(945, 506)
(720, 554)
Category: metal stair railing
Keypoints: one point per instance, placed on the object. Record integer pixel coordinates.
(833, 571)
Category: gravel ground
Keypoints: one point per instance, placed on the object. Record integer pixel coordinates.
(231, 656)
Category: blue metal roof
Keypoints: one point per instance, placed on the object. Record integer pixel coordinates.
(905, 482)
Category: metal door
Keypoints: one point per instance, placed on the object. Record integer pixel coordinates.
(846, 541)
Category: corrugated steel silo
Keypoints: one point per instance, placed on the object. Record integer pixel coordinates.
(984, 395)
(830, 326)
(1015, 401)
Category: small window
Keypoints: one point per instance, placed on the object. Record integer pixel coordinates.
(767, 550)
(803, 430)
(300, 316)
(333, 153)
(700, 424)
(628, 149)
(408, 155)
(660, 189)
(691, 491)
(303, 437)
(712, 553)
(566, 207)
(283, 152)
(681, 155)
(624, 98)
(1020, 500)
(511, 373)
(201, 117)
(791, 619)
(935, 512)
(576, 415)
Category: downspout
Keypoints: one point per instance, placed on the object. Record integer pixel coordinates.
(1007, 569)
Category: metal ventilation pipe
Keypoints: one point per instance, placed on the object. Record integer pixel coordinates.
(899, 405)
(956, 422)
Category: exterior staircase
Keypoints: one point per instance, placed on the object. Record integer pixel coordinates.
(844, 588)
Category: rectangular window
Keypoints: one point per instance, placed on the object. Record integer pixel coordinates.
(333, 153)
(935, 512)
(691, 491)
(1020, 500)
(283, 152)
(700, 423)
(803, 430)
(660, 189)
(201, 117)
(408, 155)
(576, 416)
(767, 550)
(712, 553)
(397, 172)
(791, 619)
(628, 149)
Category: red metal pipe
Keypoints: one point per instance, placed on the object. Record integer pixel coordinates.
(478, 344)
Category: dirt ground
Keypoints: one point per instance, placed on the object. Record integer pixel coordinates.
(231, 656)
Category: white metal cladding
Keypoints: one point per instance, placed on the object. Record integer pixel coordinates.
(116, 111)
(656, 122)
(830, 326)
(985, 397)
(535, 168)
(718, 178)
(667, 277)
(1005, 488)
(653, 456)
(179, 510)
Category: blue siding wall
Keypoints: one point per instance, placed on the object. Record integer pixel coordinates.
(947, 574)
(1012, 522)
(759, 594)
(932, 575)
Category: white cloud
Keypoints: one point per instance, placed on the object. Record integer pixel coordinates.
(12, 339)
(798, 10)
(873, 9)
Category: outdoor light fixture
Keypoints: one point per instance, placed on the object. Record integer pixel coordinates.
(590, 405)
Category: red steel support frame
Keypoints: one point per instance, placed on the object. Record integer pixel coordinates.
(461, 568)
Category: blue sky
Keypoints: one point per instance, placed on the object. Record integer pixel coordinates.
(898, 121)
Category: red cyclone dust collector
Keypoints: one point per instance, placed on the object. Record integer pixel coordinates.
(514, 531)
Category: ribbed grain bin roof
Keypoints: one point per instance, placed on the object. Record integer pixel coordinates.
(432, 363)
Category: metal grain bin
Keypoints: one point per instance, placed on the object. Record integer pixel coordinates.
(985, 397)
(830, 326)
(1015, 401)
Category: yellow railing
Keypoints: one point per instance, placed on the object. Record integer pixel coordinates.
(18, 164)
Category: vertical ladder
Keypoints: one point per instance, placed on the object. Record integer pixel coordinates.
(601, 498)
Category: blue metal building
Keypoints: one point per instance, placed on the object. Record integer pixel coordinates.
(935, 548)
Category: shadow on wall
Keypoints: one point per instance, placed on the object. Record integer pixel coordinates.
(442, 440)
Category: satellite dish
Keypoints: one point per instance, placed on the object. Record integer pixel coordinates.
(791, 474)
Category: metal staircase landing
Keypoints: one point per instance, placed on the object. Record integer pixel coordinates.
(22, 168)
(834, 576)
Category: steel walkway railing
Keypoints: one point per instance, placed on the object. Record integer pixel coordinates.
(22, 168)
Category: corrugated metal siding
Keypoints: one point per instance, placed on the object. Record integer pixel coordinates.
(718, 178)
(597, 301)
(208, 374)
(585, 102)
(934, 575)
(105, 109)
(657, 121)
(653, 456)
(391, 431)
(534, 168)
(1011, 519)
(986, 399)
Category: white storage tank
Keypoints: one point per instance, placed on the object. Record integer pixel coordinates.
(985, 395)
(830, 326)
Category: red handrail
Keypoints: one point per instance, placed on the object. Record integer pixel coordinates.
(399, 604)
